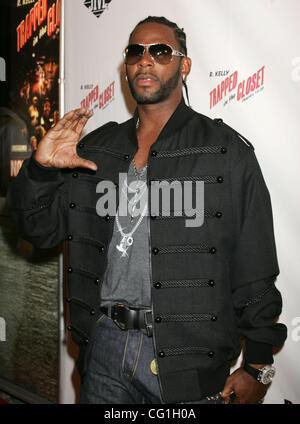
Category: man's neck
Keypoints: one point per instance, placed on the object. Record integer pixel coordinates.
(153, 117)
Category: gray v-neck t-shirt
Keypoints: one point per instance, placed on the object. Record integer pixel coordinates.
(127, 276)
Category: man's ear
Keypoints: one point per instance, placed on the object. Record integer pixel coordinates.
(186, 64)
(124, 71)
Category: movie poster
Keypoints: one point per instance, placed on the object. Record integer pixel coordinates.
(33, 82)
(29, 291)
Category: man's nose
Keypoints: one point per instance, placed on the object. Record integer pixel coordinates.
(146, 60)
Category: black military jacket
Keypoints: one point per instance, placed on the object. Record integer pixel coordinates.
(211, 285)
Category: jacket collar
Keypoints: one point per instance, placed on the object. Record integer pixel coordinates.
(180, 116)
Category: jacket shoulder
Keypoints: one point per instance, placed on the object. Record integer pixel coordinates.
(218, 126)
(237, 136)
(220, 122)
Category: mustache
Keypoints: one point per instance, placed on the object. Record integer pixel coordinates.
(144, 74)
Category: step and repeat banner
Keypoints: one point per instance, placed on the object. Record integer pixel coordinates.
(245, 70)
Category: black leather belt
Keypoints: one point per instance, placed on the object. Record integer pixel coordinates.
(128, 317)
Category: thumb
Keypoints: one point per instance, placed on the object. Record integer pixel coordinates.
(84, 163)
(227, 391)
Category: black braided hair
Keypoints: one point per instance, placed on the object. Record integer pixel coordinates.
(179, 32)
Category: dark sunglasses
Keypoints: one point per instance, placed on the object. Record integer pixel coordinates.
(160, 53)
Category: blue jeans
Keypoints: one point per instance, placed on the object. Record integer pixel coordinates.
(119, 368)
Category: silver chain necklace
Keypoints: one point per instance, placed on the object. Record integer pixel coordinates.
(138, 178)
(127, 238)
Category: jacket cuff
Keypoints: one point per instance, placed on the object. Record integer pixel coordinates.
(42, 173)
(258, 352)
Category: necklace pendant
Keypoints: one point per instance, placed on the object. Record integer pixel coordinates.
(125, 243)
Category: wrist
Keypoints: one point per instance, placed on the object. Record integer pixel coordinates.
(37, 159)
(258, 366)
(262, 374)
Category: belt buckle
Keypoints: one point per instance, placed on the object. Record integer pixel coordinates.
(121, 325)
(149, 327)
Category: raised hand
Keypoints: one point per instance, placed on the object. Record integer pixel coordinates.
(57, 148)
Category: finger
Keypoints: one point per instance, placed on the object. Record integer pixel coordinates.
(227, 392)
(84, 163)
(65, 121)
(72, 118)
(78, 126)
(80, 119)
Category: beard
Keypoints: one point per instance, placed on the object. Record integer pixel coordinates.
(158, 96)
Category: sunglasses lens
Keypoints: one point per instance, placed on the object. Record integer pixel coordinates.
(133, 53)
(161, 53)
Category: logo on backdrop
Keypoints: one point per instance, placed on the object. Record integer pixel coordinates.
(232, 88)
(98, 98)
(97, 6)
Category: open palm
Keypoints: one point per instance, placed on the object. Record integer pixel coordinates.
(58, 148)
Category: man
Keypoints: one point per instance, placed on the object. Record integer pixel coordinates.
(34, 112)
(51, 69)
(158, 307)
(46, 121)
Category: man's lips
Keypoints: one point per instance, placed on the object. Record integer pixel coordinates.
(145, 79)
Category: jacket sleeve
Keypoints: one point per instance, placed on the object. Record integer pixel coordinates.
(37, 200)
(256, 299)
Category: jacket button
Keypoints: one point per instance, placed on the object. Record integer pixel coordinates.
(86, 341)
(223, 150)
(154, 153)
(70, 269)
(107, 218)
(126, 157)
(220, 179)
(155, 250)
(211, 354)
(157, 285)
(213, 318)
(68, 300)
(75, 175)
(158, 319)
(70, 237)
(218, 121)
(69, 328)
(218, 215)
(212, 250)
(97, 281)
(72, 205)
(102, 249)
(92, 311)
(211, 283)
(161, 354)
(80, 145)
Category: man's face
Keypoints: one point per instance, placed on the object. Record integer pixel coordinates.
(46, 109)
(51, 69)
(149, 81)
